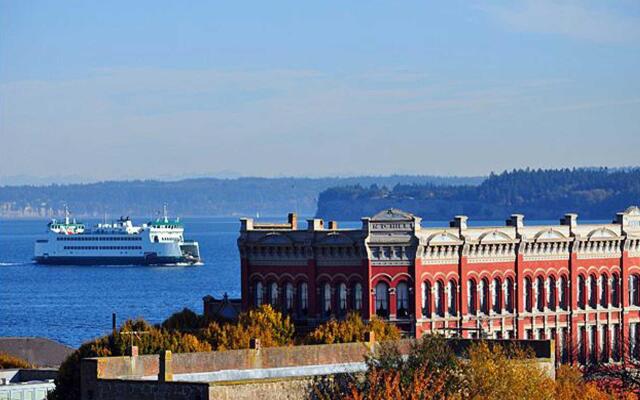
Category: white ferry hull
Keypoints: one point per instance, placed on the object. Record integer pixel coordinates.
(158, 243)
(102, 260)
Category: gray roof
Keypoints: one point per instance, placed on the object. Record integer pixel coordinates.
(37, 351)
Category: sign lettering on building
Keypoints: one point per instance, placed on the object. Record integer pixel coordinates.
(392, 226)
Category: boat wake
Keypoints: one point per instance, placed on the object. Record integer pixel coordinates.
(11, 264)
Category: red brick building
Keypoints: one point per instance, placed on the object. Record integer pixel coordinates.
(576, 283)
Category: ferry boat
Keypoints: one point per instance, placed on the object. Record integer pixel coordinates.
(159, 242)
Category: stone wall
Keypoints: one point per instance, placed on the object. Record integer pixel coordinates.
(277, 389)
(137, 377)
(117, 389)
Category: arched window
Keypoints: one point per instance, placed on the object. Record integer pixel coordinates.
(581, 292)
(540, 293)
(484, 296)
(508, 295)
(382, 299)
(326, 299)
(273, 294)
(615, 290)
(402, 300)
(288, 291)
(303, 298)
(496, 291)
(551, 293)
(527, 293)
(472, 296)
(453, 290)
(342, 298)
(604, 291)
(633, 290)
(258, 294)
(357, 296)
(439, 298)
(563, 293)
(593, 287)
(426, 299)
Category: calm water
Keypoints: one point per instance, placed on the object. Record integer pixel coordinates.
(72, 304)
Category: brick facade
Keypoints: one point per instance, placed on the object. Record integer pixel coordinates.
(576, 283)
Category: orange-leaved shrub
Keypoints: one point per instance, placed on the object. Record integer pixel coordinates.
(352, 329)
(264, 323)
(9, 361)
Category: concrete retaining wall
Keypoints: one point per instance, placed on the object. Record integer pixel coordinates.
(241, 373)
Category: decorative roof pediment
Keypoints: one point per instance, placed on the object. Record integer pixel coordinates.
(549, 234)
(494, 236)
(633, 210)
(393, 214)
(336, 238)
(442, 237)
(602, 233)
(275, 238)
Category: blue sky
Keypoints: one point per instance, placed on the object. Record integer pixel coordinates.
(113, 90)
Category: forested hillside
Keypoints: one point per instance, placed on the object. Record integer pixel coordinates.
(539, 194)
(190, 197)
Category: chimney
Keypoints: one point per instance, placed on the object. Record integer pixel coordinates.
(315, 224)
(293, 221)
(460, 222)
(366, 224)
(570, 219)
(333, 225)
(246, 224)
(516, 220)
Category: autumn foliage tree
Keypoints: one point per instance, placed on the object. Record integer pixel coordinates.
(9, 361)
(432, 371)
(352, 329)
(494, 373)
(263, 323)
